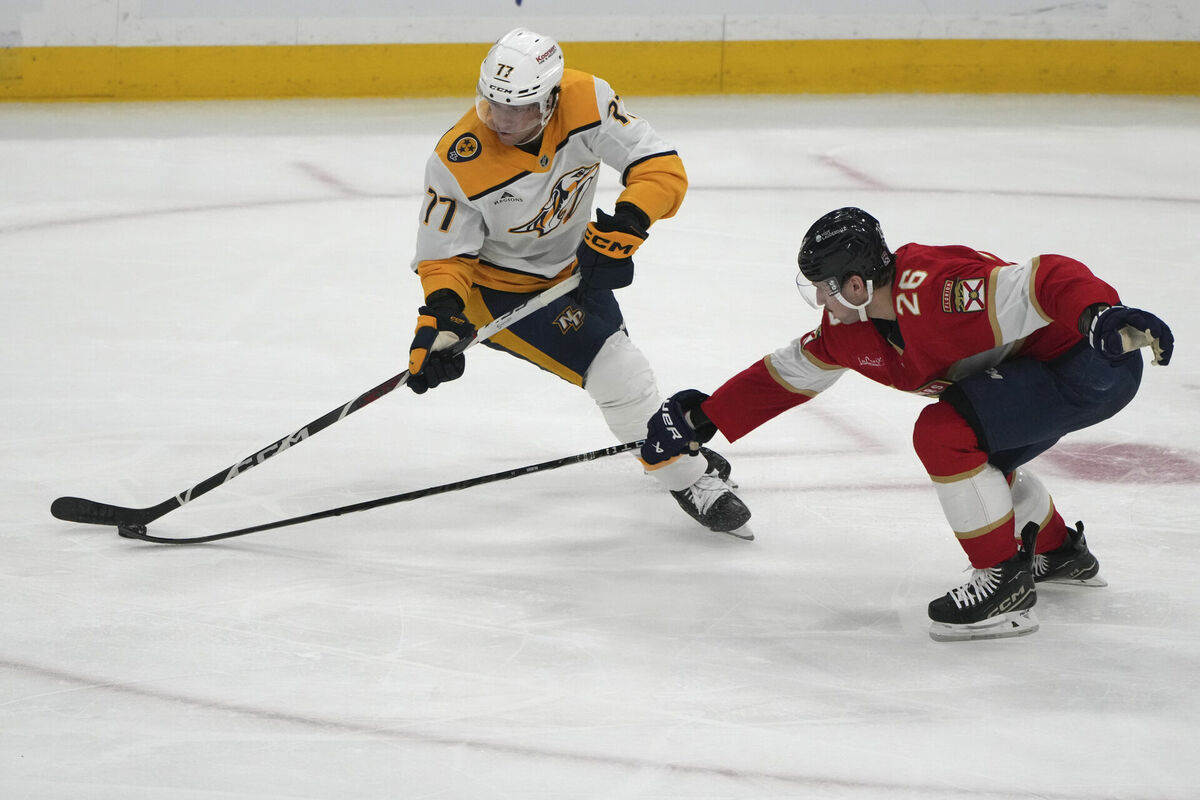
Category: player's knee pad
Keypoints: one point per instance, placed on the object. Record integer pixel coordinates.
(623, 387)
(945, 443)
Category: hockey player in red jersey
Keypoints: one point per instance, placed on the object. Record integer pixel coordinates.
(509, 194)
(1017, 355)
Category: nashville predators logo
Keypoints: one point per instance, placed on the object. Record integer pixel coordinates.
(464, 148)
(570, 319)
(564, 200)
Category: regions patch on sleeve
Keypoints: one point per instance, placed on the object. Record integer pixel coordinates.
(464, 148)
(964, 295)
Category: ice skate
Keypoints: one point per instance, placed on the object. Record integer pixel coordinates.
(1071, 564)
(719, 464)
(711, 501)
(996, 603)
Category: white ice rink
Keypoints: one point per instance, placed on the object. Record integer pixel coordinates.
(185, 283)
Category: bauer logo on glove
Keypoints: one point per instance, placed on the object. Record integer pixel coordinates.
(670, 433)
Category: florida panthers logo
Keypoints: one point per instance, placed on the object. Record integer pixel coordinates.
(964, 294)
(564, 200)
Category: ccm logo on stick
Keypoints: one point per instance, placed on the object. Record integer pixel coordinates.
(267, 452)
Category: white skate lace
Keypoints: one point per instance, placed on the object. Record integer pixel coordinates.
(983, 582)
(704, 492)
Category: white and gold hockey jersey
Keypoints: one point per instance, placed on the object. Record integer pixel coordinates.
(503, 218)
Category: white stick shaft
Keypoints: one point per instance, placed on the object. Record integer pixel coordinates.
(535, 303)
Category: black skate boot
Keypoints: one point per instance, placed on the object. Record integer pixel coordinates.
(995, 604)
(1072, 563)
(711, 501)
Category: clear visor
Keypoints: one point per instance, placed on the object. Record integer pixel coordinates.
(514, 124)
(808, 289)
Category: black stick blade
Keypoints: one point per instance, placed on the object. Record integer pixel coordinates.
(77, 509)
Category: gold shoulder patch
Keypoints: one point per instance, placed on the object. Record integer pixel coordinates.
(464, 148)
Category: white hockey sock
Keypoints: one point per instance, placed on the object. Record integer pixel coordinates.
(622, 384)
(1031, 500)
(977, 503)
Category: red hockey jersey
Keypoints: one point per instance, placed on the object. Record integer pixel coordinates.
(958, 312)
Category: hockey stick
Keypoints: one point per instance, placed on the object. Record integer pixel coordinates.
(77, 509)
(139, 531)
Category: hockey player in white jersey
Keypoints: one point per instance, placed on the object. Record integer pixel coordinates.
(509, 190)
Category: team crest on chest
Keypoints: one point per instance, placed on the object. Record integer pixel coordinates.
(964, 295)
(564, 200)
(465, 148)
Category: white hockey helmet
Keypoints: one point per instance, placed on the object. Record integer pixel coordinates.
(518, 85)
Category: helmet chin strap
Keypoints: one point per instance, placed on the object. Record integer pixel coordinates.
(862, 307)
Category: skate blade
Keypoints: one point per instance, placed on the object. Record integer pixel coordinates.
(1004, 626)
(743, 533)
(1096, 582)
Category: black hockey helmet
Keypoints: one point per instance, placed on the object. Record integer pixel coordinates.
(845, 242)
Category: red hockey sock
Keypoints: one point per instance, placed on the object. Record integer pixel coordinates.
(1053, 535)
(994, 547)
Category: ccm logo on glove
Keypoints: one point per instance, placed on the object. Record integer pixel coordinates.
(607, 243)
(605, 256)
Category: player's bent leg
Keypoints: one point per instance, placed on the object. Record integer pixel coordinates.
(998, 599)
(1062, 554)
(622, 384)
(974, 495)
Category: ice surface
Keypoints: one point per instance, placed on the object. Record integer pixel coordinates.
(185, 283)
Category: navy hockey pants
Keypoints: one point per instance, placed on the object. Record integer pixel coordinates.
(562, 338)
(1022, 407)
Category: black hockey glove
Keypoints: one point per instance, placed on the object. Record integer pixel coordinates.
(1118, 330)
(441, 325)
(605, 255)
(679, 427)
